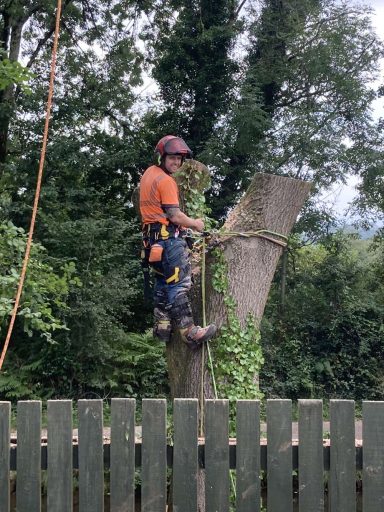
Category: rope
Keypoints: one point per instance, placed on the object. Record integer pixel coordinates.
(203, 247)
(203, 347)
(260, 233)
(38, 187)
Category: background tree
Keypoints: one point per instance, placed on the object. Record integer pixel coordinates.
(304, 108)
(192, 63)
(332, 323)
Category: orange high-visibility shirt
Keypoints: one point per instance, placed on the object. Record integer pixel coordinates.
(158, 190)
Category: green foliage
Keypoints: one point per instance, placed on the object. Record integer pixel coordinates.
(44, 290)
(238, 356)
(304, 103)
(195, 181)
(12, 72)
(369, 204)
(134, 366)
(193, 66)
(328, 339)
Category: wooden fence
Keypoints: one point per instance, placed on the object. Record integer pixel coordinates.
(316, 461)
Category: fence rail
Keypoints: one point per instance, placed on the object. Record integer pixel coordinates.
(91, 454)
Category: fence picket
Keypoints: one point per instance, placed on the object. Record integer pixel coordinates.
(311, 464)
(122, 486)
(154, 456)
(91, 463)
(60, 472)
(185, 462)
(5, 431)
(342, 473)
(279, 456)
(373, 456)
(216, 456)
(28, 488)
(248, 456)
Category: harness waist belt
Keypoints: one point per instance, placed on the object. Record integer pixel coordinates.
(158, 231)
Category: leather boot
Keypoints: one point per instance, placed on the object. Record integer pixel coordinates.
(194, 336)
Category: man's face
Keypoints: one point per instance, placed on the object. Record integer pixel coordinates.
(172, 163)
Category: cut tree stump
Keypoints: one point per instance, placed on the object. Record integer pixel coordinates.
(272, 203)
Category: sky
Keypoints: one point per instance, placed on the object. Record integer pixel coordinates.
(342, 195)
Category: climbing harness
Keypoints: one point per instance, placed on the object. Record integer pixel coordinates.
(155, 237)
(38, 186)
(151, 252)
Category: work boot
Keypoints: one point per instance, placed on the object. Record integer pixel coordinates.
(195, 336)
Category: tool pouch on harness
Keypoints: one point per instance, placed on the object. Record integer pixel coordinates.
(156, 253)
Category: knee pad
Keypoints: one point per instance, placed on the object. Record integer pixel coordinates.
(162, 327)
(181, 311)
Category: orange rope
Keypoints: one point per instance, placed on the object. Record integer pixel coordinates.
(38, 186)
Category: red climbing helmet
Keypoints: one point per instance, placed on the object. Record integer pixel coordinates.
(171, 145)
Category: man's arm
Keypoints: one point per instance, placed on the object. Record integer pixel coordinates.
(176, 216)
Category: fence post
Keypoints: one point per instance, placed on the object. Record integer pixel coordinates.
(185, 462)
(91, 460)
(216, 456)
(154, 456)
(28, 484)
(279, 456)
(342, 473)
(60, 463)
(122, 488)
(248, 456)
(311, 463)
(373, 456)
(5, 431)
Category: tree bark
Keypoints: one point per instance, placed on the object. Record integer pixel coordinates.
(273, 203)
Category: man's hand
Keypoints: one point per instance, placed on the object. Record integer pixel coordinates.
(178, 217)
(199, 225)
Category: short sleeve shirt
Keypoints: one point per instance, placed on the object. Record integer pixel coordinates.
(158, 191)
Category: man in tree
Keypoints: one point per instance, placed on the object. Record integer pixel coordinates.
(164, 244)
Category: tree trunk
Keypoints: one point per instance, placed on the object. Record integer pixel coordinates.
(273, 203)
(13, 31)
